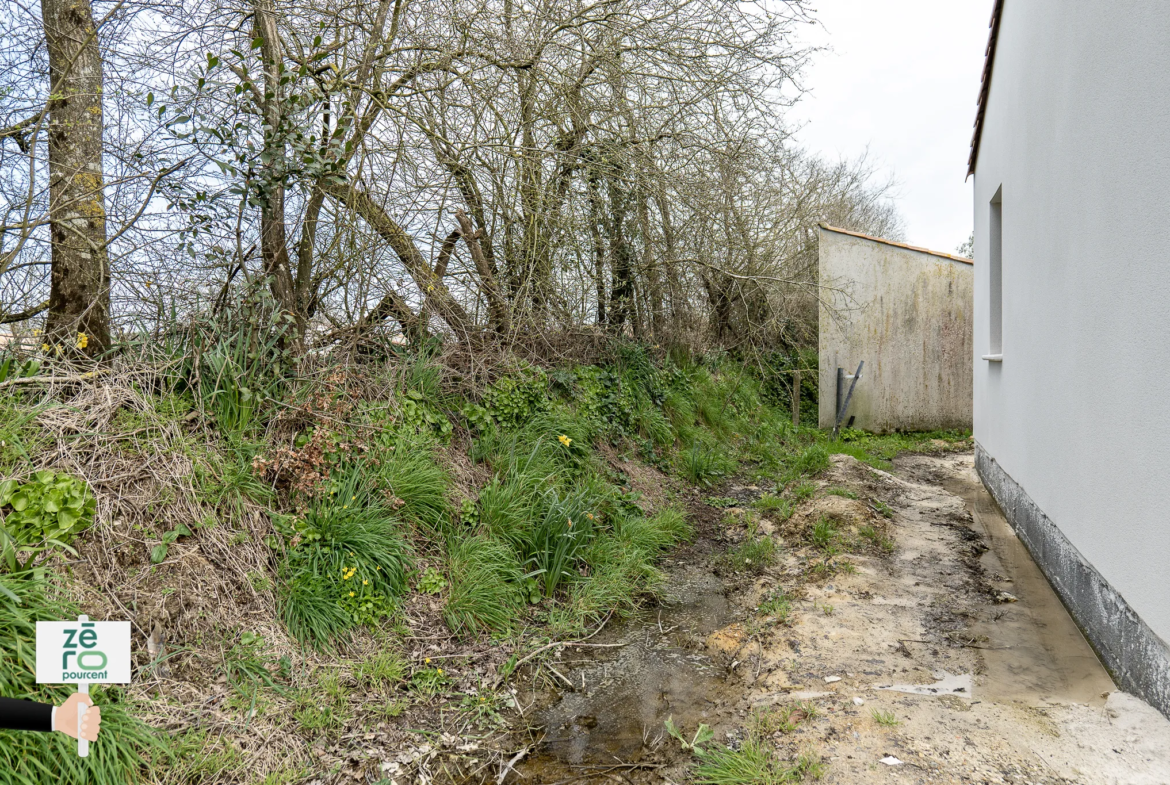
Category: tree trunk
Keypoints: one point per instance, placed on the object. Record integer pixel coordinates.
(273, 243)
(497, 304)
(403, 246)
(79, 295)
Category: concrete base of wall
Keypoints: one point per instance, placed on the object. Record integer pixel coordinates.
(1138, 659)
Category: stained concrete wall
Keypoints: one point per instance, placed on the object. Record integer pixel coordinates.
(1077, 135)
(907, 313)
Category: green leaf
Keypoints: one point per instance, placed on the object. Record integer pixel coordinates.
(6, 489)
(158, 553)
(66, 519)
(43, 477)
(20, 501)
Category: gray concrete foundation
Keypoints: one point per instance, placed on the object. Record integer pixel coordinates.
(1137, 658)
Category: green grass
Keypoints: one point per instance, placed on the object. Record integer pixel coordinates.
(344, 564)
(704, 465)
(754, 763)
(877, 538)
(386, 668)
(802, 491)
(418, 484)
(844, 493)
(886, 719)
(753, 555)
(778, 605)
(484, 585)
(823, 534)
(774, 506)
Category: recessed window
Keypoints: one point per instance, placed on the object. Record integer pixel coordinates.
(995, 274)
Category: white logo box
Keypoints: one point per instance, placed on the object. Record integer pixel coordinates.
(83, 652)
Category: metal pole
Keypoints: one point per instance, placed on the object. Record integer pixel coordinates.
(845, 405)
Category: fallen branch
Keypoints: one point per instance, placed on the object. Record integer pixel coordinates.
(508, 766)
(81, 377)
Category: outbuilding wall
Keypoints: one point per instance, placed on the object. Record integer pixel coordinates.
(907, 314)
(1073, 426)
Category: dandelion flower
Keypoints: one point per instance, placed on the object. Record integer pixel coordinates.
(351, 594)
(440, 671)
(427, 661)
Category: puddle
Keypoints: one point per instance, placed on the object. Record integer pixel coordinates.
(623, 695)
(947, 684)
(1035, 651)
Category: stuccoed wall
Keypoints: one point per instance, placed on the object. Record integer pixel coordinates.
(1077, 134)
(907, 314)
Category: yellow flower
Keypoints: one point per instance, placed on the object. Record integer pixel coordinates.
(57, 347)
(565, 440)
(427, 661)
(440, 671)
(82, 340)
(570, 523)
(44, 347)
(365, 583)
(351, 594)
(589, 515)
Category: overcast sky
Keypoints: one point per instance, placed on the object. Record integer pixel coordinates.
(901, 79)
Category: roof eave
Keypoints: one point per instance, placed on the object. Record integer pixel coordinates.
(985, 85)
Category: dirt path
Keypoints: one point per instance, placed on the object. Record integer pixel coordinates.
(1039, 707)
(942, 646)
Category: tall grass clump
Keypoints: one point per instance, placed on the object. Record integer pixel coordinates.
(484, 579)
(127, 748)
(419, 485)
(344, 564)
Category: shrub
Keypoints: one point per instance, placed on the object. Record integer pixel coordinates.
(484, 585)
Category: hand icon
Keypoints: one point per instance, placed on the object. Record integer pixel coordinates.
(65, 719)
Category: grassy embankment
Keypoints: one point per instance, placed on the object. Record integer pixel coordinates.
(281, 540)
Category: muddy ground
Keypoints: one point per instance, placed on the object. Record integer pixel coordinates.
(921, 634)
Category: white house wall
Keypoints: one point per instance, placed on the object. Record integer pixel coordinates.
(1073, 427)
(907, 314)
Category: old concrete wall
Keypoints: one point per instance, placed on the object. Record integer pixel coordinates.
(1076, 140)
(907, 314)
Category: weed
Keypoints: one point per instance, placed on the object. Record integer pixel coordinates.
(884, 718)
(811, 710)
(803, 491)
(343, 566)
(428, 681)
(778, 606)
(721, 501)
(883, 509)
(823, 534)
(845, 493)
(484, 707)
(384, 669)
(753, 763)
(655, 534)
(432, 582)
(248, 667)
(703, 465)
(774, 506)
(877, 538)
(323, 708)
(703, 734)
(753, 555)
